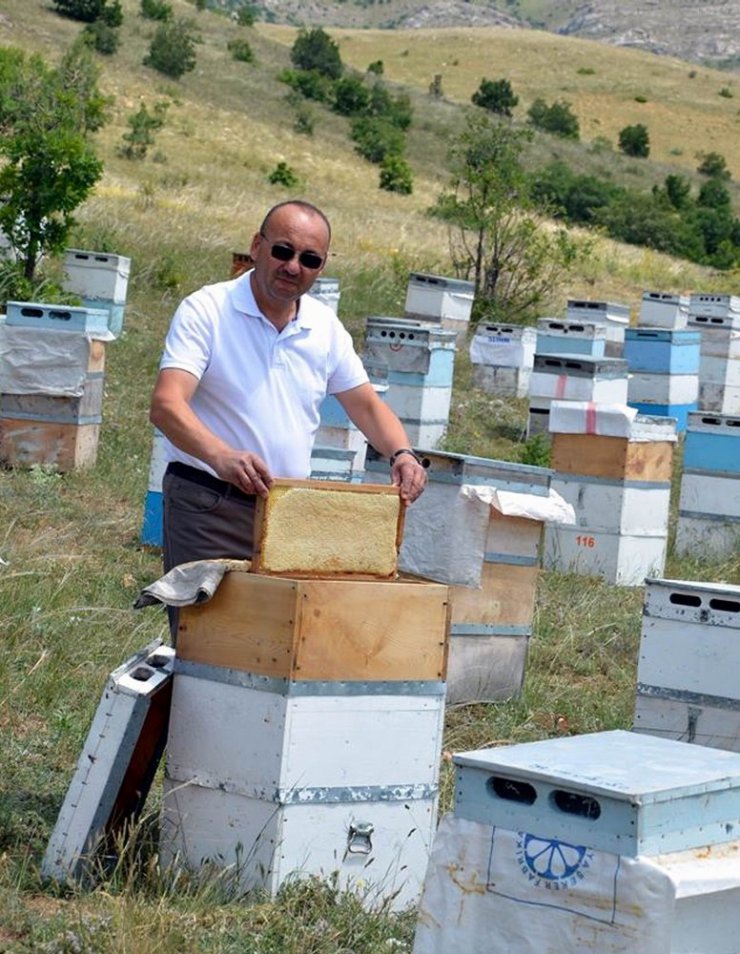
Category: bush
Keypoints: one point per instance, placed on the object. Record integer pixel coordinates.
(143, 125)
(496, 96)
(635, 141)
(315, 50)
(283, 175)
(351, 97)
(713, 165)
(375, 138)
(172, 50)
(240, 50)
(246, 15)
(395, 175)
(101, 37)
(309, 84)
(376, 67)
(558, 118)
(86, 10)
(156, 10)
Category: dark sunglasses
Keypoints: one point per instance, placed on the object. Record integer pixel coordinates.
(286, 253)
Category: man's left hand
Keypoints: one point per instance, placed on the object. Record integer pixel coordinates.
(409, 476)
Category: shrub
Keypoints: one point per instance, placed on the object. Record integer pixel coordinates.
(283, 175)
(351, 97)
(101, 37)
(172, 50)
(496, 96)
(240, 50)
(713, 165)
(86, 10)
(726, 92)
(376, 67)
(395, 175)
(309, 84)
(156, 10)
(315, 50)
(558, 118)
(635, 141)
(435, 87)
(246, 15)
(143, 125)
(375, 138)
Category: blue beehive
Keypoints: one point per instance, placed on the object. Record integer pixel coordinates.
(662, 351)
(29, 314)
(712, 443)
(614, 791)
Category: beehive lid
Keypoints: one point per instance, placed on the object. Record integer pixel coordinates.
(328, 529)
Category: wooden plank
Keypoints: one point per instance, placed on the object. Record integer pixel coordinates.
(328, 529)
(24, 443)
(96, 360)
(506, 597)
(514, 536)
(372, 630)
(248, 624)
(618, 458)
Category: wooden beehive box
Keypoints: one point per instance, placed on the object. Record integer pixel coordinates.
(615, 458)
(289, 628)
(324, 529)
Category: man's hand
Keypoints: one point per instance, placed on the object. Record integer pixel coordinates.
(244, 469)
(409, 476)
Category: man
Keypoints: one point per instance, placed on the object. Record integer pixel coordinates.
(245, 368)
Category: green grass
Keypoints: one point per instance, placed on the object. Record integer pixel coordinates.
(72, 562)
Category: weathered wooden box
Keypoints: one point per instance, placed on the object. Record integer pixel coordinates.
(687, 677)
(24, 443)
(320, 629)
(612, 458)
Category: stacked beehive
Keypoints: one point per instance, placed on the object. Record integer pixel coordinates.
(448, 301)
(615, 469)
(664, 371)
(101, 281)
(663, 310)
(614, 316)
(709, 502)
(566, 377)
(717, 317)
(152, 527)
(687, 676)
(308, 702)
(420, 358)
(490, 557)
(502, 356)
(52, 385)
(327, 291)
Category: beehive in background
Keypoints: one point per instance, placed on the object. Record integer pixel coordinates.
(563, 336)
(663, 310)
(305, 732)
(152, 524)
(687, 674)
(613, 315)
(52, 392)
(573, 378)
(326, 290)
(614, 467)
(610, 841)
(101, 281)
(448, 301)
(493, 579)
(420, 358)
(502, 356)
(709, 501)
(664, 372)
(719, 368)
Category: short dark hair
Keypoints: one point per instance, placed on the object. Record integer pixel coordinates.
(302, 204)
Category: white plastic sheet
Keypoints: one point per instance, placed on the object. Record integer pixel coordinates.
(445, 530)
(35, 362)
(493, 891)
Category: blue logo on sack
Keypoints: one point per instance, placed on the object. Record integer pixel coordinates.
(556, 864)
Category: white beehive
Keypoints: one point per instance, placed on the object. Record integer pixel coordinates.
(663, 310)
(613, 315)
(502, 356)
(563, 336)
(687, 676)
(437, 298)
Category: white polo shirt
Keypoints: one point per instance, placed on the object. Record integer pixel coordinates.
(259, 390)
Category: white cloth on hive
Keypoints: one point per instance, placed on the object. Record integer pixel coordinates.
(53, 362)
(493, 891)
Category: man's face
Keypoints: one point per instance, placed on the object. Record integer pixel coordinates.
(295, 232)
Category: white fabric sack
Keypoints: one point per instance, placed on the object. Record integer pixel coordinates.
(50, 362)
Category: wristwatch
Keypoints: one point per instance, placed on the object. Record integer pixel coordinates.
(405, 450)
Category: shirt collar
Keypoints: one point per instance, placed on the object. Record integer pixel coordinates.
(244, 301)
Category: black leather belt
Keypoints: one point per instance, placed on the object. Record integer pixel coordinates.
(197, 476)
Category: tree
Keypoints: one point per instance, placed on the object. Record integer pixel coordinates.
(635, 141)
(315, 50)
(91, 10)
(141, 135)
(558, 118)
(46, 119)
(156, 10)
(101, 37)
(395, 175)
(172, 50)
(351, 97)
(496, 96)
(495, 237)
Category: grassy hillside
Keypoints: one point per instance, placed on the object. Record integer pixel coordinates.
(70, 559)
